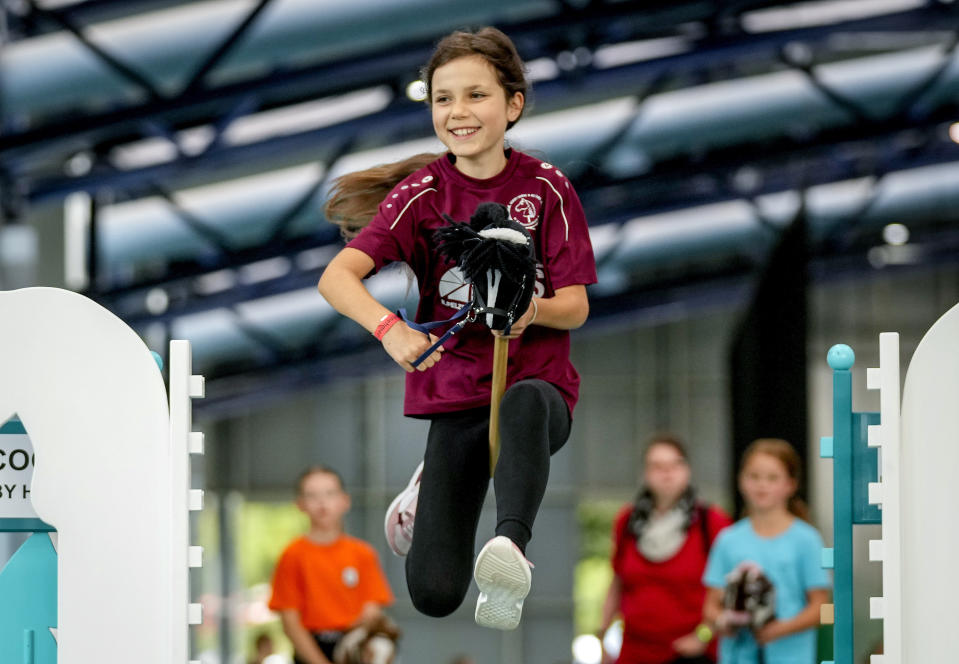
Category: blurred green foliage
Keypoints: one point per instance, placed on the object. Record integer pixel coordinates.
(263, 531)
(595, 520)
(591, 580)
(593, 573)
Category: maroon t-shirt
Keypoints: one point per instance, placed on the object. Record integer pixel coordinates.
(661, 601)
(539, 197)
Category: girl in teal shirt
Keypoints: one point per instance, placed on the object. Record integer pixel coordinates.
(776, 536)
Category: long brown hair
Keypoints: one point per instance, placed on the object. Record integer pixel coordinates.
(787, 455)
(354, 197)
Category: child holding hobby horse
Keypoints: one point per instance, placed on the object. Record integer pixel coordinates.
(476, 91)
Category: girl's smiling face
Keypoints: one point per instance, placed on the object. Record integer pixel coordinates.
(765, 483)
(470, 114)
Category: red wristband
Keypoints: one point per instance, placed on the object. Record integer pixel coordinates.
(388, 321)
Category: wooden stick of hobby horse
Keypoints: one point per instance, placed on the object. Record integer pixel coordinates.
(500, 356)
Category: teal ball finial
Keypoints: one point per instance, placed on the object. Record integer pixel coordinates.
(157, 359)
(841, 356)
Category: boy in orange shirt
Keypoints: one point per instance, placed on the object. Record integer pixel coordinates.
(326, 582)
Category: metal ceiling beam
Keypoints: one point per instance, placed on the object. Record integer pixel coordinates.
(749, 170)
(674, 140)
(868, 152)
(125, 71)
(549, 95)
(804, 159)
(204, 105)
(538, 38)
(25, 24)
(645, 254)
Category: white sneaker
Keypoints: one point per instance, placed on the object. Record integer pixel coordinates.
(398, 525)
(503, 575)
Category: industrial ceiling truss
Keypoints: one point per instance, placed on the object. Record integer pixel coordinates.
(695, 131)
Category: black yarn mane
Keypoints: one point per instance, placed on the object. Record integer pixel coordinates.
(476, 255)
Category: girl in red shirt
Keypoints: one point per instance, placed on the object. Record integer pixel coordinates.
(476, 91)
(661, 544)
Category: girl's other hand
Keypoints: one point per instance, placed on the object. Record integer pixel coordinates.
(689, 645)
(605, 657)
(770, 632)
(724, 623)
(520, 325)
(404, 345)
(370, 612)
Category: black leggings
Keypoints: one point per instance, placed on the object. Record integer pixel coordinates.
(534, 424)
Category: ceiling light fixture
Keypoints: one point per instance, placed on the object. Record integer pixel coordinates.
(416, 90)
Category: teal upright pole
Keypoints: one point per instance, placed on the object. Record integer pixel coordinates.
(841, 358)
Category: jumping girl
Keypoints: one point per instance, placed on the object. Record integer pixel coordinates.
(476, 91)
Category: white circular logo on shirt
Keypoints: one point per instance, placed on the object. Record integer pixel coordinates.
(524, 209)
(350, 576)
(454, 290)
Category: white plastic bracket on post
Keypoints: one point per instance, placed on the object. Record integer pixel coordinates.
(197, 387)
(196, 500)
(887, 436)
(877, 608)
(196, 443)
(184, 386)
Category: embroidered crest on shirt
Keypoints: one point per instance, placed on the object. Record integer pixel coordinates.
(524, 209)
(454, 289)
(350, 577)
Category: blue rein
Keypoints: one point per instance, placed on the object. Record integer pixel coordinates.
(426, 328)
